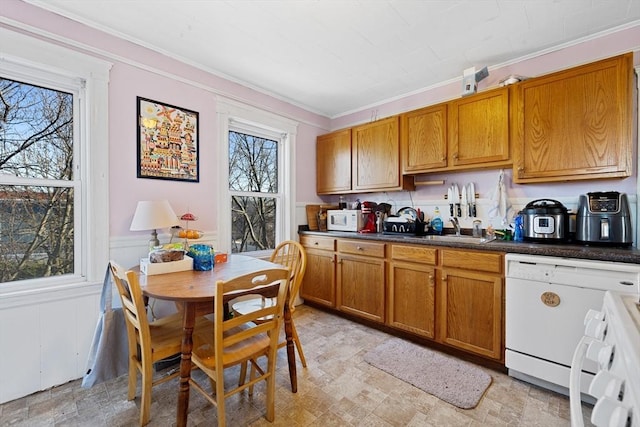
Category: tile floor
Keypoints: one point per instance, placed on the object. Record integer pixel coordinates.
(336, 389)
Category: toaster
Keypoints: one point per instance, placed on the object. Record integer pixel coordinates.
(604, 218)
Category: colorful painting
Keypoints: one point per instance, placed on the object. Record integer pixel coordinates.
(167, 142)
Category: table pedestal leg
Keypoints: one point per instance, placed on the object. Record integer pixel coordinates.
(291, 355)
(189, 320)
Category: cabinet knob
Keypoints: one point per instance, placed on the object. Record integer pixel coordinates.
(316, 243)
(360, 248)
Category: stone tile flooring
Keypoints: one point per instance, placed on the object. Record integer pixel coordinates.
(336, 389)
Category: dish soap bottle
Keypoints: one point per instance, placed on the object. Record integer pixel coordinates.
(436, 222)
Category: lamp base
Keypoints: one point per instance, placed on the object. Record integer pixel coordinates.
(154, 242)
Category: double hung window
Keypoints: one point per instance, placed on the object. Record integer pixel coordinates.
(53, 165)
(256, 190)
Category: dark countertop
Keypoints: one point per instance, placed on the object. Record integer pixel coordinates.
(563, 250)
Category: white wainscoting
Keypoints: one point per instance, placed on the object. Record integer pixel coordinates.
(45, 338)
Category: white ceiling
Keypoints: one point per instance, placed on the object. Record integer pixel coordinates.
(337, 56)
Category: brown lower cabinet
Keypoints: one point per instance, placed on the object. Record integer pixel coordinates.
(471, 302)
(361, 279)
(319, 284)
(452, 296)
(412, 293)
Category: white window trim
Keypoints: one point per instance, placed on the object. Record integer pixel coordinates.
(232, 111)
(20, 51)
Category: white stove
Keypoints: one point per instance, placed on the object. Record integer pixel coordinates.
(612, 340)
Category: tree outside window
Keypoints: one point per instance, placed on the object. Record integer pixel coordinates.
(37, 184)
(255, 191)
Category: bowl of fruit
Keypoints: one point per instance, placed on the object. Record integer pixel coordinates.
(187, 233)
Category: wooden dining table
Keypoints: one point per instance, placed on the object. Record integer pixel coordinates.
(195, 290)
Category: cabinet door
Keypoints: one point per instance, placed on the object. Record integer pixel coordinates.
(412, 298)
(333, 162)
(318, 284)
(423, 139)
(479, 130)
(471, 312)
(361, 286)
(575, 124)
(376, 156)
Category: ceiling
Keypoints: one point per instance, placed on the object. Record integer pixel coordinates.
(333, 57)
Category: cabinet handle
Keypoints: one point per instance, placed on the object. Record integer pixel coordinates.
(431, 279)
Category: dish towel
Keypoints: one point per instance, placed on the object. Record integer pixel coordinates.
(500, 204)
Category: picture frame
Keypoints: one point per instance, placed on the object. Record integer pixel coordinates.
(168, 142)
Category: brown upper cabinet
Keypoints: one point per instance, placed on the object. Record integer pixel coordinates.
(333, 162)
(423, 139)
(479, 130)
(375, 161)
(468, 133)
(361, 159)
(575, 124)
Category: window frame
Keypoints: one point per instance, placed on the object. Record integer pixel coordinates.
(32, 60)
(236, 116)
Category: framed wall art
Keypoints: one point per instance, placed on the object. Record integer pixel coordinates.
(167, 142)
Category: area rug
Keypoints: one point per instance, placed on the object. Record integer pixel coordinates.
(457, 382)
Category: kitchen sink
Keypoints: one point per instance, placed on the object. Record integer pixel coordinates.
(452, 238)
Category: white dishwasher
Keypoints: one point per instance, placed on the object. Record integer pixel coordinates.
(545, 305)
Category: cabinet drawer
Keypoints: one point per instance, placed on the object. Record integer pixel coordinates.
(473, 260)
(318, 242)
(361, 248)
(414, 253)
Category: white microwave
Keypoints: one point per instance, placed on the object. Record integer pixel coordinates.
(344, 220)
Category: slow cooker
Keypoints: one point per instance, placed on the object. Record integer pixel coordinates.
(545, 220)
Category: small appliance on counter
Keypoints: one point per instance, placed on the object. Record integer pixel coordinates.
(545, 220)
(344, 220)
(369, 217)
(604, 218)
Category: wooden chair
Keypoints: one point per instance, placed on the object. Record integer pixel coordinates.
(149, 342)
(292, 255)
(239, 339)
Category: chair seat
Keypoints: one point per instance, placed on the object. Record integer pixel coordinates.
(204, 347)
(252, 304)
(166, 334)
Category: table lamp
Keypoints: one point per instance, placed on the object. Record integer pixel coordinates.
(151, 215)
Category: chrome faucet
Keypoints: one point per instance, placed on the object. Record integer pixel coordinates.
(456, 225)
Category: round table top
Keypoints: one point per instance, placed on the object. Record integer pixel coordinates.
(192, 285)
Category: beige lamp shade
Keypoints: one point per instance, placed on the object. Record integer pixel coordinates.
(151, 215)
